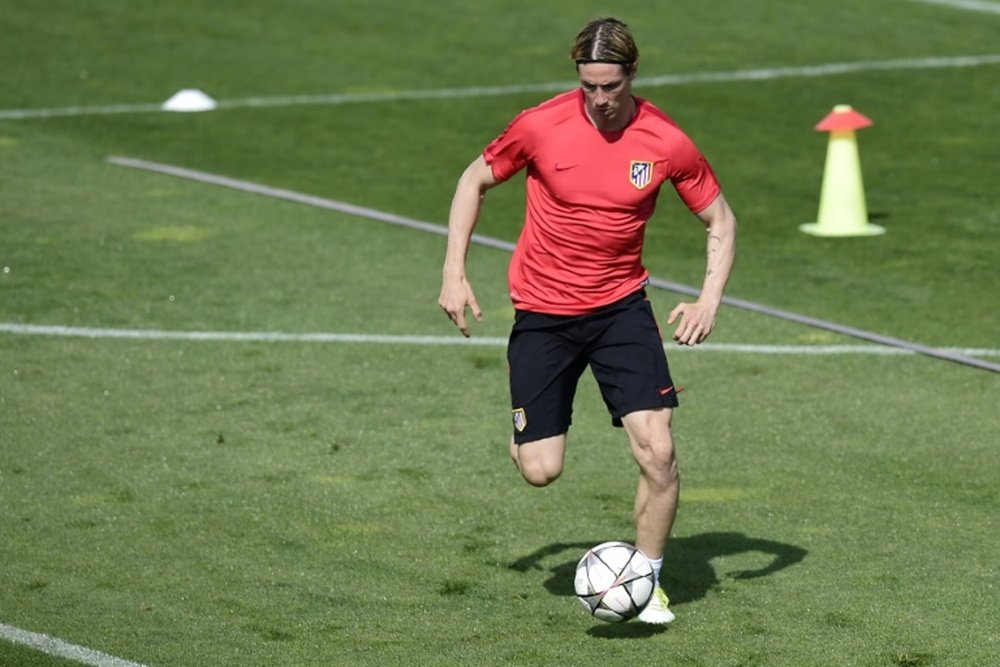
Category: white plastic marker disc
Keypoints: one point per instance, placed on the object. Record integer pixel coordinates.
(188, 100)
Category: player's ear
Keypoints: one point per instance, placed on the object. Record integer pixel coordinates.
(633, 68)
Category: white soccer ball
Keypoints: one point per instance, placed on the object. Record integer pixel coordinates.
(614, 581)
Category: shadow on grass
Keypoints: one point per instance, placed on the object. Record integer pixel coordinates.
(687, 573)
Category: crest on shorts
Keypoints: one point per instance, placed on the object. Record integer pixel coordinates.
(520, 419)
(640, 173)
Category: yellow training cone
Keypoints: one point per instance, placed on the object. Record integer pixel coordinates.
(842, 209)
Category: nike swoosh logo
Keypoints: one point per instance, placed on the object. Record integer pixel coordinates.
(564, 167)
(665, 391)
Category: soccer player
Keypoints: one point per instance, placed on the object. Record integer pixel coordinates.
(595, 158)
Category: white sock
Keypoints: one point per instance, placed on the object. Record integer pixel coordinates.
(657, 564)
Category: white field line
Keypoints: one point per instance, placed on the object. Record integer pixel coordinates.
(388, 339)
(970, 5)
(60, 649)
(763, 74)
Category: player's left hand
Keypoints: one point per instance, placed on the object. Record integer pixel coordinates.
(696, 322)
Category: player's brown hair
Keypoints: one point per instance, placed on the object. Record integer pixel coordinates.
(606, 40)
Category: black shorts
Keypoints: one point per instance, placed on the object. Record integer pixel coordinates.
(547, 355)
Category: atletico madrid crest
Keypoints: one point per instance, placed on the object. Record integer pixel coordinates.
(520, 419)
(640, 173)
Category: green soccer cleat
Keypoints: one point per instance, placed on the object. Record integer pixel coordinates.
(657, 610)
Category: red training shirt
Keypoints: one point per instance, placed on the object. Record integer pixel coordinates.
(589, 195)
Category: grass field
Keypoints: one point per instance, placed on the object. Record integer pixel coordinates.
(348, 501)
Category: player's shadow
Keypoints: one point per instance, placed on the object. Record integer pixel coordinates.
(687, 574)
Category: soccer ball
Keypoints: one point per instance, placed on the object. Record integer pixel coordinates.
(614, 581)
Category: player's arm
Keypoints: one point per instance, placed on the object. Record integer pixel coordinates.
(456, 292)
(698, 319)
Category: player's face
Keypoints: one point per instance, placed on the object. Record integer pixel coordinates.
(607, 90)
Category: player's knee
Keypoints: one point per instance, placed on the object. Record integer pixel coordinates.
(657, 461)
(539, 477)
(539, 472)
(540, 462)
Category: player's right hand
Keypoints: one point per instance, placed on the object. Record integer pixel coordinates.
(456, 296)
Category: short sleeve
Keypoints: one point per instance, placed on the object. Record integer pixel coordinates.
(510, 152)
(691, 175)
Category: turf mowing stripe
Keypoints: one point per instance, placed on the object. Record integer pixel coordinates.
(442, 230)
(388, 339)
(764, 74)
(971, 5)
(60, 649)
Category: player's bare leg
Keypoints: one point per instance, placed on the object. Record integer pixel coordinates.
(540, 462)
(656, 495)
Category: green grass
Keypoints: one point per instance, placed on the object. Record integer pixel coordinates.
(203, 503)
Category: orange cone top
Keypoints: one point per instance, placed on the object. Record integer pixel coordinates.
(843, 118)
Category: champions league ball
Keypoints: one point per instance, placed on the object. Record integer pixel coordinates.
(614, 581)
